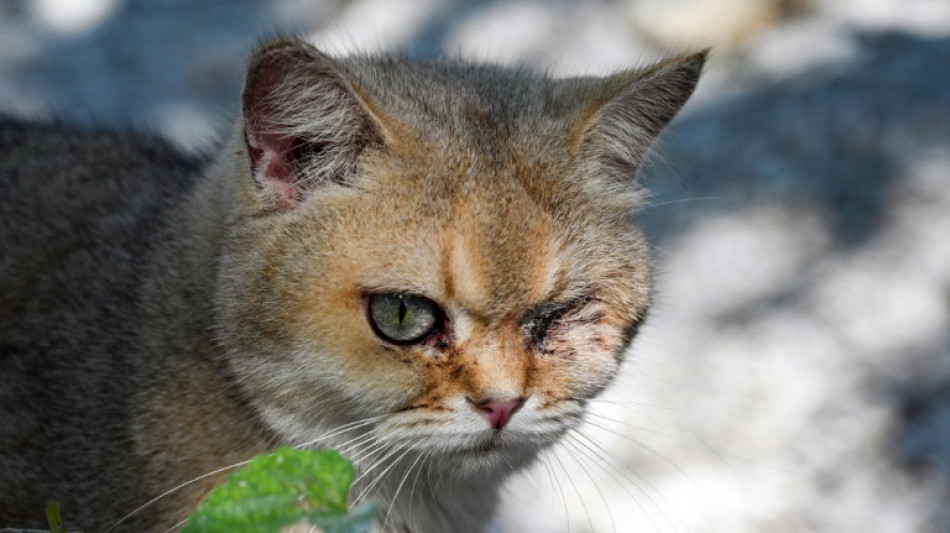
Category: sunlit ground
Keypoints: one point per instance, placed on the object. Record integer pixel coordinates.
(795, 373)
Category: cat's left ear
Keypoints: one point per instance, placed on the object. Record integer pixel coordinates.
(623, 114)
(305, 122)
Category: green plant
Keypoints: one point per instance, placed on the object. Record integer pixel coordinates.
(286, 487)
(272, 492)
(54, 517)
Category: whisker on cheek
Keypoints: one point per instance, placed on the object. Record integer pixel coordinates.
(329, 435)
(645, 447)
(582, 453)
(596, 450)
(398, 488)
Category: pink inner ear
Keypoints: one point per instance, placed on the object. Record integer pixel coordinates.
(272, 165)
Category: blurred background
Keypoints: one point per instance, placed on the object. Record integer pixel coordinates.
(795, 373)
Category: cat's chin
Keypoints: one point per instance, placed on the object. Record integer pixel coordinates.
(489, 454)
(490, 462)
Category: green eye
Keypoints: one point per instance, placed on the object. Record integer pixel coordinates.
(402, 318)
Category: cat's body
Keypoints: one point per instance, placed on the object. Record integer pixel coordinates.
(162, 318)
(82, 356)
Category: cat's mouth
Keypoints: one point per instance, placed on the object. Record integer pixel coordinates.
(481, 454)
(497, 442)
(490, 454)
(491, 444)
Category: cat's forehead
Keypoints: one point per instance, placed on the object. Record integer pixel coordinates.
(489, 249)
(494, 230)
(487, 264)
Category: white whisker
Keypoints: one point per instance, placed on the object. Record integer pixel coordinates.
(412, 490)
(604, 465)
(580, 496)
(633, 405)
(610, 514)
(176, 526)
(342, 429)
(635, 427)
(404, 448)
(174, 489)
(647, 448)
(560, 489)
(337, 431)
(652, 205)
(398, 488)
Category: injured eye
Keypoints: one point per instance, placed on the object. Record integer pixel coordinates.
(403, 318)
(539, 321)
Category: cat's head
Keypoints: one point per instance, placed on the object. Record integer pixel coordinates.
(444, 250)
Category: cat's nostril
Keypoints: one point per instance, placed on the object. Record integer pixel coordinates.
(497, 412)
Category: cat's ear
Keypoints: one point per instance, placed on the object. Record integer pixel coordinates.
(624, 113)
(305, 123)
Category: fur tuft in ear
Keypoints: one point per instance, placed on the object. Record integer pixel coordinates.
(305, 125)
(630, 109)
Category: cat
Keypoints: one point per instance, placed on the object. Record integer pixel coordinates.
(429, 265)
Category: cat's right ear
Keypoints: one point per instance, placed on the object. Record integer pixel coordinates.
(305, 123)
(621, 116)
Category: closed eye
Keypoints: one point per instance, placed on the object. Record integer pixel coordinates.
(539, 321)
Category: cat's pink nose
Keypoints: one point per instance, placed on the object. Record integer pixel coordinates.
(497, 412)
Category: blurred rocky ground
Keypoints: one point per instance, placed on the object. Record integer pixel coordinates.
(795, 373)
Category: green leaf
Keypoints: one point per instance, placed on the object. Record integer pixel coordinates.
(54, 517)
(283, 488)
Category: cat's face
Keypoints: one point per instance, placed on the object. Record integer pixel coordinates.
(462, 283)
(431, 296)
